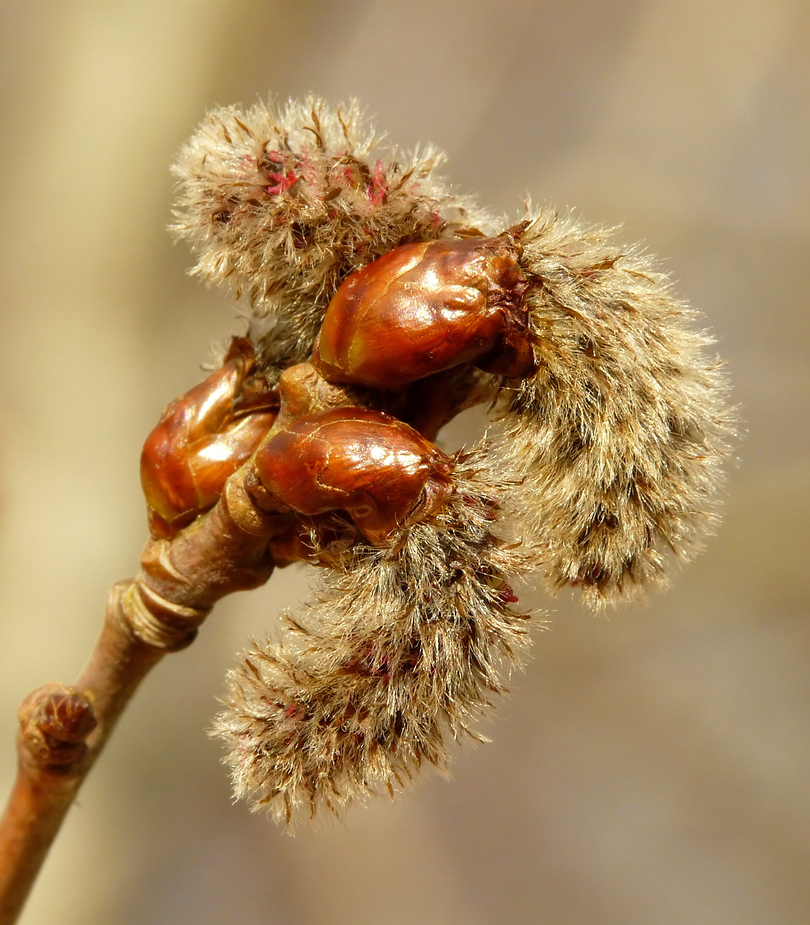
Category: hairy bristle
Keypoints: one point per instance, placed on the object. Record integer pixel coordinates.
(620, 437)
(281, 205)
(400, 651)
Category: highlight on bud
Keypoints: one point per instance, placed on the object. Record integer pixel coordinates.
(424, 308)
(202, 438)
(377, 469)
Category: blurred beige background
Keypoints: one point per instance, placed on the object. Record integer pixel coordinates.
(651, 768)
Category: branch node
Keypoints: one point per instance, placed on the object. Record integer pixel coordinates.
(156, 621)
(55, 722)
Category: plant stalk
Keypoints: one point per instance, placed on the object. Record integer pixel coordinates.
(64, 729)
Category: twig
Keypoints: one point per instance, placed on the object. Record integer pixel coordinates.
(63, 729)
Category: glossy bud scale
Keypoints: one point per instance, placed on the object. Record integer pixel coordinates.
(428, 307)
(376, 468)
(202, 439)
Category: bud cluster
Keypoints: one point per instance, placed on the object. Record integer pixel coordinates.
(382, 304)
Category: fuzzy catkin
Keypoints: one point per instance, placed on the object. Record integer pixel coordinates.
(399, 653)
(620, 437)
(282, 204)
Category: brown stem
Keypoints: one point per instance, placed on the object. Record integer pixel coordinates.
(63, 729)
(46, 785)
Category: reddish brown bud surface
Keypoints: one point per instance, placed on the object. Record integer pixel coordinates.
(377, 469)
(202, 439)
(55, 721)
(427, 307)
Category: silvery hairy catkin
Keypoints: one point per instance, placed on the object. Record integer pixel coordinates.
(398, 653)
(282, 204)
(619, 438)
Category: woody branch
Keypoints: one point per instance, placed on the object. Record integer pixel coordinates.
(63, 729)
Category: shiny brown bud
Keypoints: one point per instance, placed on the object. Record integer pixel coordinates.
(427, 307)
(55, 722)
(202, 439)
(375, 468)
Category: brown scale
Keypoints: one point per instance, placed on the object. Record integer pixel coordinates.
(401, 335)
(202, 438)
(377, 469)
(424, 308)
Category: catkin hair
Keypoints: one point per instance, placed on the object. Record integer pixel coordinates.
(281, 204)
(399, 653)
(619, 438)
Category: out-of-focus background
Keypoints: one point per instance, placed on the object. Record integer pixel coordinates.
(652, 766)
